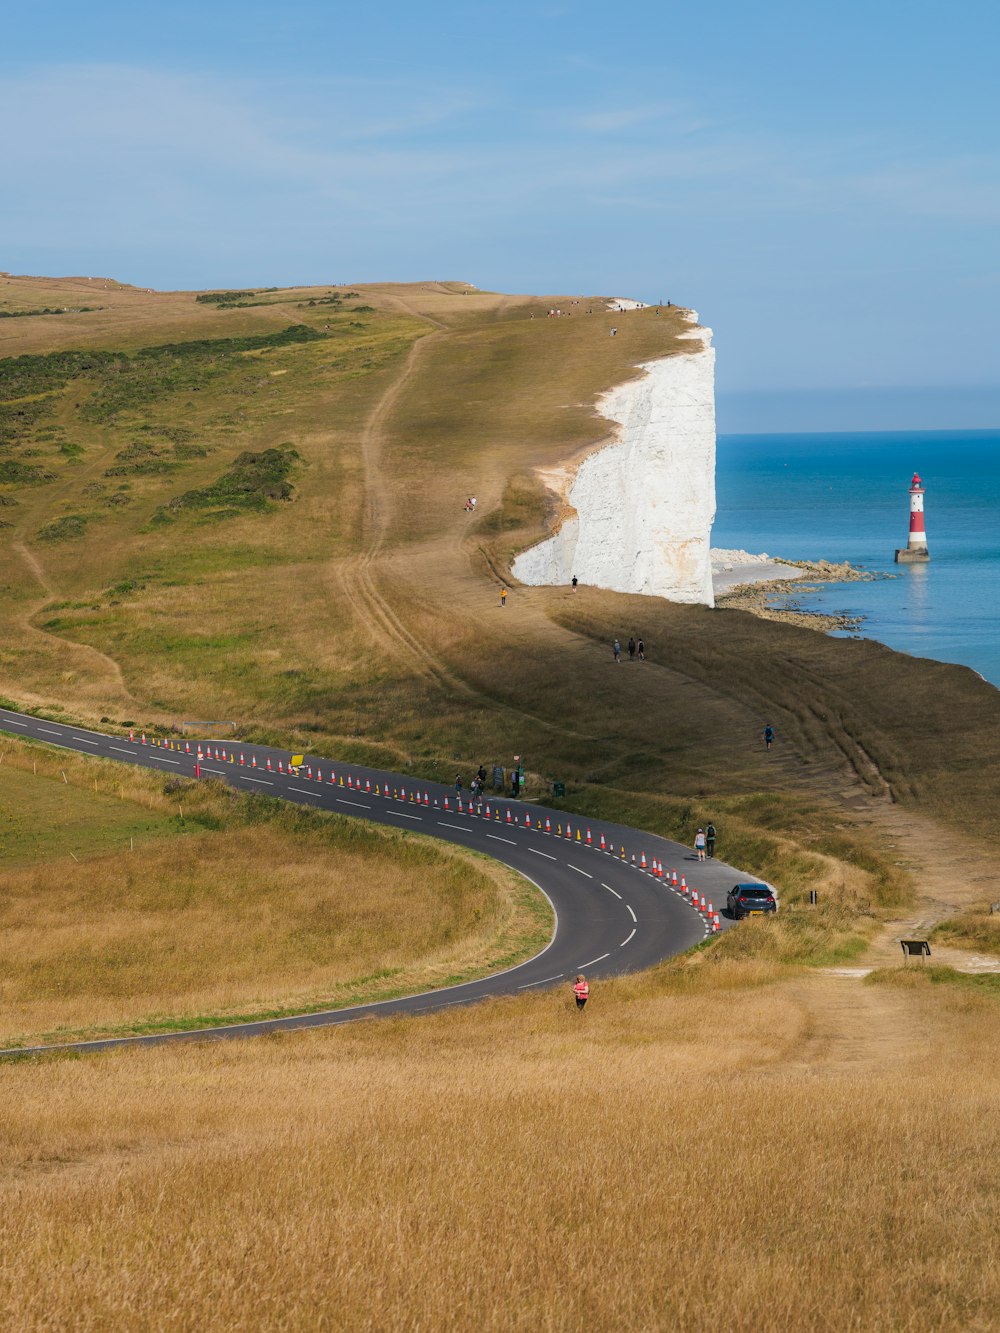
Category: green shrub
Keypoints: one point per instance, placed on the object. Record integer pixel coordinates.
(63, 529)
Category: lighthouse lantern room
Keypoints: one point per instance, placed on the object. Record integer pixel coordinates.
(916, 546)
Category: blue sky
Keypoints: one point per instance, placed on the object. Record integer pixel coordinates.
(821, 181)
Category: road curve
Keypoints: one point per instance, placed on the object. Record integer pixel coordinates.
(611, 914)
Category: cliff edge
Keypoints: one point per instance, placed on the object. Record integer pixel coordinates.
(638, 513)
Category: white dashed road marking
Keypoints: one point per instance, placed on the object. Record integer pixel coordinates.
(360, 804)
(304, 790)
(263, 781)
(543, 981)
(628, 937)
(610, 889)
(595, 960)
(538, 853)
(49, 732)
(461, 827)
(630, 912)
(400, 815)
(83, 740)
(119, 749)
(496, 838)
(581, 872)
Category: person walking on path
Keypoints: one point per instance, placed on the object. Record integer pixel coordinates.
(699, 844)
(458, 785)
(631, 649)
(768, 736)
(640, 648)
(616, 648)
(574, 581)
(581, 991)
(503, 596)
(710, 840)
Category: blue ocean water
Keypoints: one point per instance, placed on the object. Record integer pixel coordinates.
(846, 497)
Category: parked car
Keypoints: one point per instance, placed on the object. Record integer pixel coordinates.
(750, 900)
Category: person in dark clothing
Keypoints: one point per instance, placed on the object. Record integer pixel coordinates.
(710, 840)
(631, 650)
(768, 736)
(481, 775)
(575, 581)
(640, 648)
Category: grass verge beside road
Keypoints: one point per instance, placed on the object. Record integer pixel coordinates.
(213, 906)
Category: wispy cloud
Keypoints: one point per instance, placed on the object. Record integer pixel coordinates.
(612, 120)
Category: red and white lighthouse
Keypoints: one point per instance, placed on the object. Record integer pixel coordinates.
(916, 546)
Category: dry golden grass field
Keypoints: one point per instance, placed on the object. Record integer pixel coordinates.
(252, 509)
(125, 908)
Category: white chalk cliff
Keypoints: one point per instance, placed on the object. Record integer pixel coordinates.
(641, 508)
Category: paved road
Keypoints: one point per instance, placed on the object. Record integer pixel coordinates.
(611, 915)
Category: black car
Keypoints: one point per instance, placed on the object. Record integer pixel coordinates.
(750, 900)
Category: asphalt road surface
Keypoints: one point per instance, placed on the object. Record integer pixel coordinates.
(611, 915)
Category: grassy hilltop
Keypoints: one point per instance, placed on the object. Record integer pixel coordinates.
(249, 506)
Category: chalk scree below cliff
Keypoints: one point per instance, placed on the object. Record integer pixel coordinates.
(642, 507)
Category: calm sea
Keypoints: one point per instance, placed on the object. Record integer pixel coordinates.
(845, 497)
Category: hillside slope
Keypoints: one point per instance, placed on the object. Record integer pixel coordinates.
(251, 506)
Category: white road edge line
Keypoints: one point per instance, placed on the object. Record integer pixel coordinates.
(630, 912)
(496, 838)
(610, 889)
(628, 937)
(595, 960)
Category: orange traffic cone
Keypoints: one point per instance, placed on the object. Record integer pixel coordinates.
(548, 825)
(368, 784)
(604, 845)
(590, 840)
(642, 863)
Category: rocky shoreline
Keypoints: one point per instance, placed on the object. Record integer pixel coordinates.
(757, 597)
